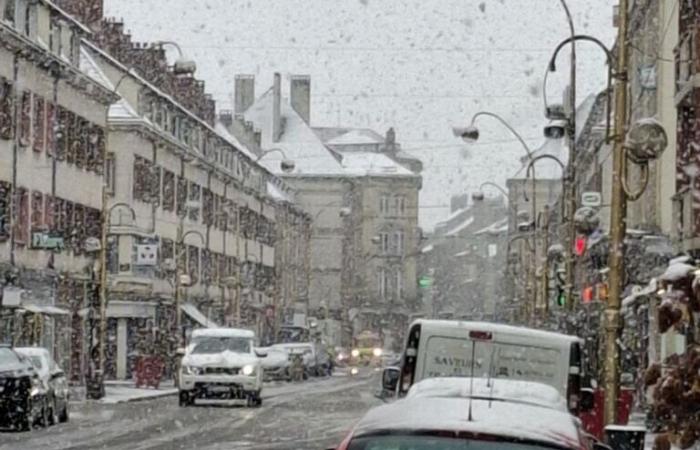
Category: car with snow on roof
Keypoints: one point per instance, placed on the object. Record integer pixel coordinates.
(54, 380)
(478, 414)
(221, 364)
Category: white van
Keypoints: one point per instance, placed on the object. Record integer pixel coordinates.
(440, 348)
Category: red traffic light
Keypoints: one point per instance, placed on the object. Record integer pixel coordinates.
(580, 245)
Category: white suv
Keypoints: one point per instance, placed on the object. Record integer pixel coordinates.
(221, 364)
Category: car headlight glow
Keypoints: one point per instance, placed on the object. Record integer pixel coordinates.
(377, 352)
(248, 369)
(341, 357)
(191, 370)
(354, 371)
(355, 353)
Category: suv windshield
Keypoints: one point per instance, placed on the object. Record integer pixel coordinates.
(7, 357)
(418, 442)
(222, 344)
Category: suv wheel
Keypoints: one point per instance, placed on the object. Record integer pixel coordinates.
(53, 414)
(185, 399)
(254, 399)
(63, 417)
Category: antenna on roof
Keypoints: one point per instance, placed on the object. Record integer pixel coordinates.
(471, 383)
(489, 382)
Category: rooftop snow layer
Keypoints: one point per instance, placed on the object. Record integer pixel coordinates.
(298, 141)
(356, 137)
(372, 164)
(464, 224)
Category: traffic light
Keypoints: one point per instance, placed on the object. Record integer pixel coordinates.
(561, 297)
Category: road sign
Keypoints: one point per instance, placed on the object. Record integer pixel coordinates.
(591, 199)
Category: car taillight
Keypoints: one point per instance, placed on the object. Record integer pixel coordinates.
(573, 391)
(480, 335)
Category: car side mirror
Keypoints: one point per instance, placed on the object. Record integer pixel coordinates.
(390, 378)
(260, 353)
(587, 400)
(180, 351)
(57, 374)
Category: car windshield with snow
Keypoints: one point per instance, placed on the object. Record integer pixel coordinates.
(260, 224)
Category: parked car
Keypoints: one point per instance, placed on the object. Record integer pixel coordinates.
(54, 380)
(441, 418)
(22, 394)
(222, 364)
(276, 364)
(307, 352)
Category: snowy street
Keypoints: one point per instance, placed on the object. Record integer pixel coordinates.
(313, 415)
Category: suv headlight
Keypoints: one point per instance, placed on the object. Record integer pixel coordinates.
(248, 369)
(191, 370)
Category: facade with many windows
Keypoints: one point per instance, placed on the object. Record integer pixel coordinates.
(52, 150)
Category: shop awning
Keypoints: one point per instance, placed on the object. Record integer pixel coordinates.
(197, 315)
(48, 310)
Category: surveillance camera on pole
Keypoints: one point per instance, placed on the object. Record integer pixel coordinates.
(468, 134)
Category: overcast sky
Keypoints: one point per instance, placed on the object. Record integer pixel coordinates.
(417, 65)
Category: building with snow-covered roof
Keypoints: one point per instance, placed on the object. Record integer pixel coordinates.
(357, 195)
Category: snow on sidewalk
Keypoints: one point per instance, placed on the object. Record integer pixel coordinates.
(127, 392)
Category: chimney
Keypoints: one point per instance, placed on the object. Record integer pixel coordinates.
(276, 108)
(244, 93)
(300, 95)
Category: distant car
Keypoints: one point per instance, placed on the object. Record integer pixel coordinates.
(222, 364)
(451, 420)
(54, 380)
(307, 352)
(22, 394)
(276, 364)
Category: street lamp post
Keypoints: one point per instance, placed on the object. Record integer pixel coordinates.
(180, 242)
(287, 165)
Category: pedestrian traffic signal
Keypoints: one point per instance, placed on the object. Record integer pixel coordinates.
(561, 298)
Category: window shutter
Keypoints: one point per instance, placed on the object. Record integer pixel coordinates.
(26, 119)
(6, 109)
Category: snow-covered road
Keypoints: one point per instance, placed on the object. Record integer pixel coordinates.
(311, 415)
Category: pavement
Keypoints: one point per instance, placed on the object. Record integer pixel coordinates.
(315, 414)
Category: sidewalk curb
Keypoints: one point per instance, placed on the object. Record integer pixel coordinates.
(172, 392)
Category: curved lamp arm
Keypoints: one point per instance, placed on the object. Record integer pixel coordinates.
(643, 183)
(551, 67)
(531, 168)
(507, 125)
(272, 150)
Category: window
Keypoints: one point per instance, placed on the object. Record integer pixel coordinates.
(399, 204)
(28, 19)
(8, 13)
(49, 128)
(181, 196)
(6, 109)
(21, 231)
(195, 198)
(193, 261)
(168, 190)
(208, 207)
(398, 277)
(384, 242)
(382, 285)
(37, 211)
(384, 204)
(25, 124)
(49, 212)
(39, 124)
(140, 188)
(110, 173)
(397, 244)
(5, 192)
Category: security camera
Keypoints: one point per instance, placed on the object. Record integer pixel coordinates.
(468, 134)
(555, 129)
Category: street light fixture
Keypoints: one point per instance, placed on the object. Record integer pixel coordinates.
(287, 165)
(470, 134)
(182, 65)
